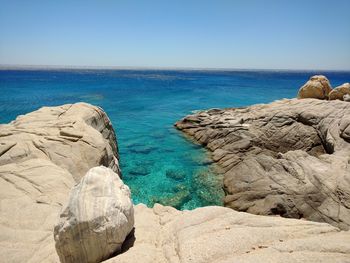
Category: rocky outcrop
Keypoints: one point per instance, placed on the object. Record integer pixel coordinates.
(40, 163)
(42, 155)
(219, 234)
(290, 157)
(75, 137)
(339, 92)
(96, 220)
(318, 87)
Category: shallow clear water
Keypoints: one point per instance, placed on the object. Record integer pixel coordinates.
(158, 163)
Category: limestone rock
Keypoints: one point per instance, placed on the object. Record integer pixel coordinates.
(42, 155)
(98, 217)
(290, 157)
(318, 87)
(339, 92)
(222, 235)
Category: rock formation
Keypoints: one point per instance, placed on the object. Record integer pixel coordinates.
(218, 234)
(290, 157)
(339, 92)
(42, 155)
(69, 136)
(318, 87)
(98, 217)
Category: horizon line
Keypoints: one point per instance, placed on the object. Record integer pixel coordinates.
(77, 67)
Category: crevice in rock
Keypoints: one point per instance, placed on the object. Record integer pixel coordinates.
(127, 244)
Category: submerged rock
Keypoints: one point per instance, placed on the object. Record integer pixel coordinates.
(176, 199)
(339, 92)
(177, 175)
(140, 170)
(96, 220)
(318, 87)
(290, 157)
(143, 149)
(208, 187)
(200, 160)
(158, 135)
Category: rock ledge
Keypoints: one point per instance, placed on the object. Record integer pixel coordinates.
(289, 157)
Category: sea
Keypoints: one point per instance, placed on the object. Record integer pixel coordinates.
(159, 163)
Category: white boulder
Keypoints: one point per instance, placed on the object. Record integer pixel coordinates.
(97, 219)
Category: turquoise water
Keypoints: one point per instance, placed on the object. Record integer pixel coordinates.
(159, 164)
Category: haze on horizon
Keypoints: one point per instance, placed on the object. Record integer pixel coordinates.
(244, 34)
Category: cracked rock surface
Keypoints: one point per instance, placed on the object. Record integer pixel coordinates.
(222, 235)
(42, 155)
(289, 157)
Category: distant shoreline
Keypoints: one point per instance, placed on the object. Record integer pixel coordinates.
(64, 68)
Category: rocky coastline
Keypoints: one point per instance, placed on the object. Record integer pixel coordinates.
(289, 158)
(63, 199)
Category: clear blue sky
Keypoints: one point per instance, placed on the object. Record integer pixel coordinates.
(279, 34)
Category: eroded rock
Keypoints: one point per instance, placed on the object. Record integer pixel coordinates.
(96, 220)
(339, 92)
(290, 157)
(219, 234)
(42, 155)
(318, 87)
(33, 190)
(75, 137)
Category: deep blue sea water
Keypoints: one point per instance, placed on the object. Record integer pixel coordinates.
(159, 164)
